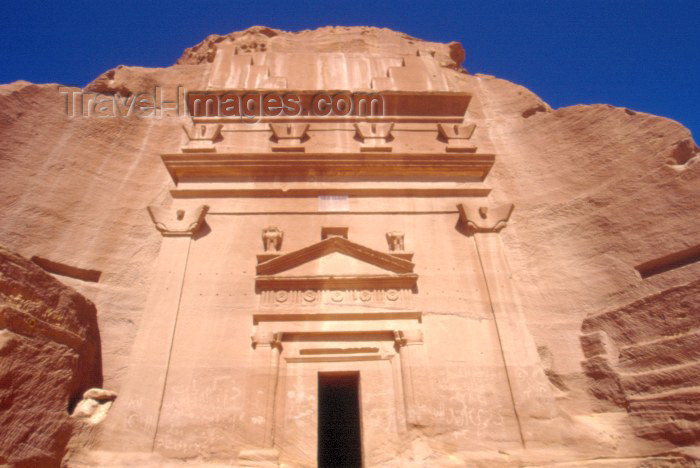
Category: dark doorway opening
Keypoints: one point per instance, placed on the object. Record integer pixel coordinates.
(339, 437)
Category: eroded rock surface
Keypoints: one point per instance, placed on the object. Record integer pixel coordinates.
(644, 357)
(49, 354)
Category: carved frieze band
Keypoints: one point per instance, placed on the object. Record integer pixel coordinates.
(313, 297)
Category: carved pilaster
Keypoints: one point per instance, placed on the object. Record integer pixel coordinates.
(533, 403)
(416, 382)
(134, 419)
(263, 389)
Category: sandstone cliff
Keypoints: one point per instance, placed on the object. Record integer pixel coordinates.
(600, 193)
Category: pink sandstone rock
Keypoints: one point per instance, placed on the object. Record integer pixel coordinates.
(510, 284)
(49, 354)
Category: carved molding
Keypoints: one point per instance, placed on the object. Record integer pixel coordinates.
(330, 245)
(359, 282)
(482, 218)
(178, 222)
(201, 137)
(354, 313)
(288, 165)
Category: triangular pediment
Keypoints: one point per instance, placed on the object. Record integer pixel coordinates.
(335, 264)
(335, 256)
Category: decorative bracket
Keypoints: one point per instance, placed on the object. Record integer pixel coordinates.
(180, 222)
(374, 136)
(395, 241)
(484, 219)
(201, 137)
(272, 239)
(333, 231)
(457, 137)
(288, 136)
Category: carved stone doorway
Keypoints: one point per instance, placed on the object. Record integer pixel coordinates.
(339, 420)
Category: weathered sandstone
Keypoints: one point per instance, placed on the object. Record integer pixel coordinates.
(49, 354)
(512, 285)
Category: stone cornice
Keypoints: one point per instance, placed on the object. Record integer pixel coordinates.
(400, 281)
(353, 165)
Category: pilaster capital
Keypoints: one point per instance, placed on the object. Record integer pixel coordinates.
(266, 339)
(172, 223)
(407, 337)
(474, 218)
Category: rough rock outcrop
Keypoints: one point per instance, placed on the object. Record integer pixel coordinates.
(49, 354)
(644, 357)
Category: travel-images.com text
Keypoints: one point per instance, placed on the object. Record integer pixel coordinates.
(248, 106)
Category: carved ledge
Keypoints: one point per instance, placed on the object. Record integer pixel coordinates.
(289, 136)
(358, 165)
(173, 223)
(394, 284)
(457, 137)
(353, 314)
(201, 137)
(374, 136)
(484, 219)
